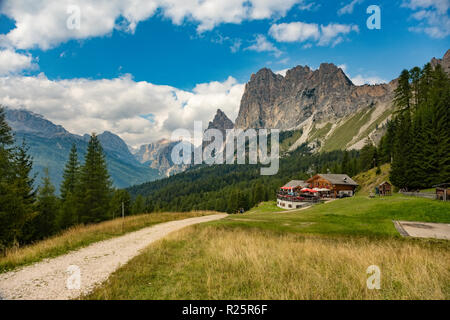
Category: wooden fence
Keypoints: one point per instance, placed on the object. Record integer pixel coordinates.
(419, 194)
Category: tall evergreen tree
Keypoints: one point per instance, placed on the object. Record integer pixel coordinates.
(138, 205)
(16, 187)
(403, 94)
(71, 174)
(44, 224)
(120, 196)
(69, 214)
(95, 188)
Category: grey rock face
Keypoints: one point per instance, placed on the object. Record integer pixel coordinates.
(273, 101)
(221, 122)
(158, 155)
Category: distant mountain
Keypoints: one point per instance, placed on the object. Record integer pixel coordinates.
(50, 145)
(158, 156)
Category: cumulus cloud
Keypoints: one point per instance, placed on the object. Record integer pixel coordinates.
(261, 44)
(331, 34)
(43, 23)
(334, 32)
(432, 15)
(12, 62)
(348, 8)
(140, 112)
(294, 31)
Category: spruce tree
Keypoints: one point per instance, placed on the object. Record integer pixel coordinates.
(71, 174)
(68, 215)
(47, 207)
(95, 188)
(403, 94)
(16, 187)
(138, 205)
(120, 196)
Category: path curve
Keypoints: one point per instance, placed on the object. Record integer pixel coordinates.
(48, 279)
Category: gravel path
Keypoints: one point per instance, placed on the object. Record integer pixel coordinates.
(51, 278)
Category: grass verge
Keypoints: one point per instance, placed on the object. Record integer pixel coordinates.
(81, 236)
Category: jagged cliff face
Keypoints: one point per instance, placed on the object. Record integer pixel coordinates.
(158, 156)
(273, 101)
(444, 62)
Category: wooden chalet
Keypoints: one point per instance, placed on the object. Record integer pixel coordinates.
(338, 184)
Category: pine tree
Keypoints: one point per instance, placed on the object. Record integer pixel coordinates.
(71, 174)
(44, 223)
(345, 164)
(16, 187)
(138, 205)
(402, 95)
(120, 196)
(95, 188)
(68, 215)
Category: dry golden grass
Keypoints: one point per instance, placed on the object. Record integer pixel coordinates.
(206, 262)
(81, 236)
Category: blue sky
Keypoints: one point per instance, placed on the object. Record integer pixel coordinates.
(200, 55)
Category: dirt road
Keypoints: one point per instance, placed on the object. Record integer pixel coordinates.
(78, 272)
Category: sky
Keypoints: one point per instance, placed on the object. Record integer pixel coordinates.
(143, 68)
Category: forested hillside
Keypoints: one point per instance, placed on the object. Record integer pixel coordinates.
(229, 187)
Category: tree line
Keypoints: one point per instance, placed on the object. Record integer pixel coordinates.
(417, 142)
(29, 214)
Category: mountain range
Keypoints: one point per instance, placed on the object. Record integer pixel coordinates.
(50, 144)
(322, 108)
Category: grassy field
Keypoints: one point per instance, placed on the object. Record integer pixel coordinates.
(357, 216)
(318, 253)
(81, 236)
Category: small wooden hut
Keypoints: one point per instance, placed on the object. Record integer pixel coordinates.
(385, 189)
(443, 191)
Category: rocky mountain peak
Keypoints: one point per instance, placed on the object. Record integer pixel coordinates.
(444, 62)
(25, 121)
(221, 122)
(274, 101)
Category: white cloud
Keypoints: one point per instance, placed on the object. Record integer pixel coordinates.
(348, 8)
(360, 80)
(331, 34)
(343, 67)
(121, 105)
(12, 62)
(43, 23)
(261, 44)
(294, 32)
(432, 15)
